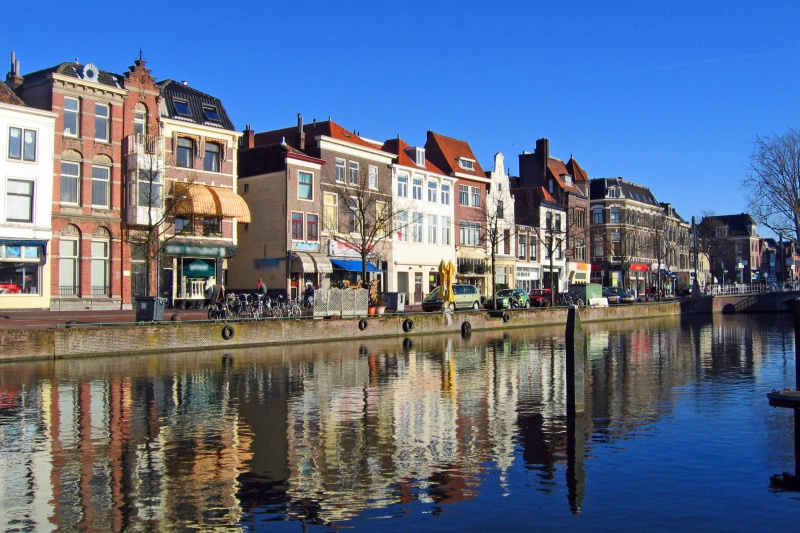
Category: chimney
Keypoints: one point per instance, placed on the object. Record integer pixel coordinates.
(300, 139)
(13, 79)
(248, 138)
(543, 151)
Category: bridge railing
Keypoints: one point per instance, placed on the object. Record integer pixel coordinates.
(748, 288)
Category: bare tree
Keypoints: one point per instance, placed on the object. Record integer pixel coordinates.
(499, 232)
(715, 244)
(152, 214)
(663, 241)
(369, 219)
(773, 183)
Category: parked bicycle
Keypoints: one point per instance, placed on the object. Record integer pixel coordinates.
(289, 308)
(567, 299)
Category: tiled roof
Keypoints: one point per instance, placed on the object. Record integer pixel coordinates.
(576, 170)
(557, 169)
(7, 96)
(445, 153)
(738, 225)
(172, 90)
(629, 190)
(265, 159)
(399, 148)
(75, 70)
(327, 128)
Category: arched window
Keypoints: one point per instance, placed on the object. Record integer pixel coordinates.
(100, 265)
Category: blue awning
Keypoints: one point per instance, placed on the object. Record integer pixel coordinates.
(353, 265)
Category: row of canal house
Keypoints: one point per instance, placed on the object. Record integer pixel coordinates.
(124, 187)
(316, 189)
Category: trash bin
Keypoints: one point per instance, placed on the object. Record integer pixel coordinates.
(395, 301)
(150, 308)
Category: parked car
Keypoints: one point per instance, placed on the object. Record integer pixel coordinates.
(539, 297)
(624, 296)
(467, 296)
(508, 298)
(608, 293)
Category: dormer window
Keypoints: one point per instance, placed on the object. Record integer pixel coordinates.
(467, 164)
(182, 107)
(90, 72)
(419, 157)
(567, 179)
(211, 114)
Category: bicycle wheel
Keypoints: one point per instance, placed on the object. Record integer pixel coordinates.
(276, 312)
(294, 311)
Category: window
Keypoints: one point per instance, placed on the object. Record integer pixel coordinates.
(71, 113)
(533, 247)
(305, 185)
(466, 164)
(419, 157)
(312, 227)
(433, 229)
(416, 188)
(402, 186)
(381, 215)
(558, 227)
(22, 144)
(297, 226)
(500, 212)
(20, 268)
(19, 200)
(463, 195)
(353, 222)
(211, 113)
(416, 227)
(548, 217)
(340, 170)
(70, 174)
(597, 215)
(139, 122)
(446, 231)
(548, 247)
(353, 173)
(507, 242)
(182, 107)
(184, 153)
(211, 157)
(469, 233)
(433, 191)
(100, 180)
(476, 196)
(150, 189)
(100, 269)
(579, 249)
(101, 122)
(722, 231)
(402, 226)
(211, 227)
(614, 217)
(445, 194)
(183, 226)
(372, 182)
(522, 248)
(330, 212)
(68, 267)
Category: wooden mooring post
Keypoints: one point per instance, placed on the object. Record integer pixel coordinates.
(575, 370)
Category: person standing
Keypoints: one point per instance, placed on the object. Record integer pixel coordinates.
(309, 295)
(261, 288)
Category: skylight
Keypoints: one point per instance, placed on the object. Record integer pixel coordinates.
(182, 107)
(210, 112)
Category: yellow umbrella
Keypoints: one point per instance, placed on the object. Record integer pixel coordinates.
(449, 294)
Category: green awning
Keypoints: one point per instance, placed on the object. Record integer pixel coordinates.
(198, 269)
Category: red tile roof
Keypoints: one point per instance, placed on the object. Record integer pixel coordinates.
(7, 96)
(557, 168)
(312, 130)
(446, 151)
(399, 146)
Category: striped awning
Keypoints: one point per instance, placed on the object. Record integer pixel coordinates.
(231, 204)
(199, 199)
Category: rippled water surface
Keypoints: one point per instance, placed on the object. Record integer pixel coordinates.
(428, 433)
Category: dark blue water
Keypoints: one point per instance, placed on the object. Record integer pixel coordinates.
(436, 433)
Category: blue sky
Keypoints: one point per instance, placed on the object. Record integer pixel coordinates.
(669, 95)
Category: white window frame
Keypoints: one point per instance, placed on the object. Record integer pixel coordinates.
(433, 191)
(72, 114)
(446, 231)
(372, 180)
(475, 192)
(212, 158)
(465, 163)
(445, 193)
(330, 212)
(69, 252)
(353, 169)
(102, 122)
(16, 198)
(340, 170)
(22, 144)
(99, 181)
(180, 149)
(402, 226)
(416, 227)
(463, 195)
(402, 186)
(73, 179)
(433, 228)
(416, 188)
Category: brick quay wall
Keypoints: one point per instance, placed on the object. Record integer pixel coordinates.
(82, 340)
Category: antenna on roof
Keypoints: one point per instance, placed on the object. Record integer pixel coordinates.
(141, 56)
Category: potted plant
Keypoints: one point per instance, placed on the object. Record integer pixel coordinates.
(380, 303)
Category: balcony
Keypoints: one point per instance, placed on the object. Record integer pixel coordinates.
(140, 144)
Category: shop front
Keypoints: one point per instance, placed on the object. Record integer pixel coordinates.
(189, 269)
(24, 280)
(309, 267)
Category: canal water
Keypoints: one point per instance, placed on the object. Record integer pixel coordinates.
(419, 434)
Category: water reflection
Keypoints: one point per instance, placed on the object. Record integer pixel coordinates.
(343, 433)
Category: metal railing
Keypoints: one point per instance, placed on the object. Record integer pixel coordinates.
(748, 288)
(68, 291)
(101, 290)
